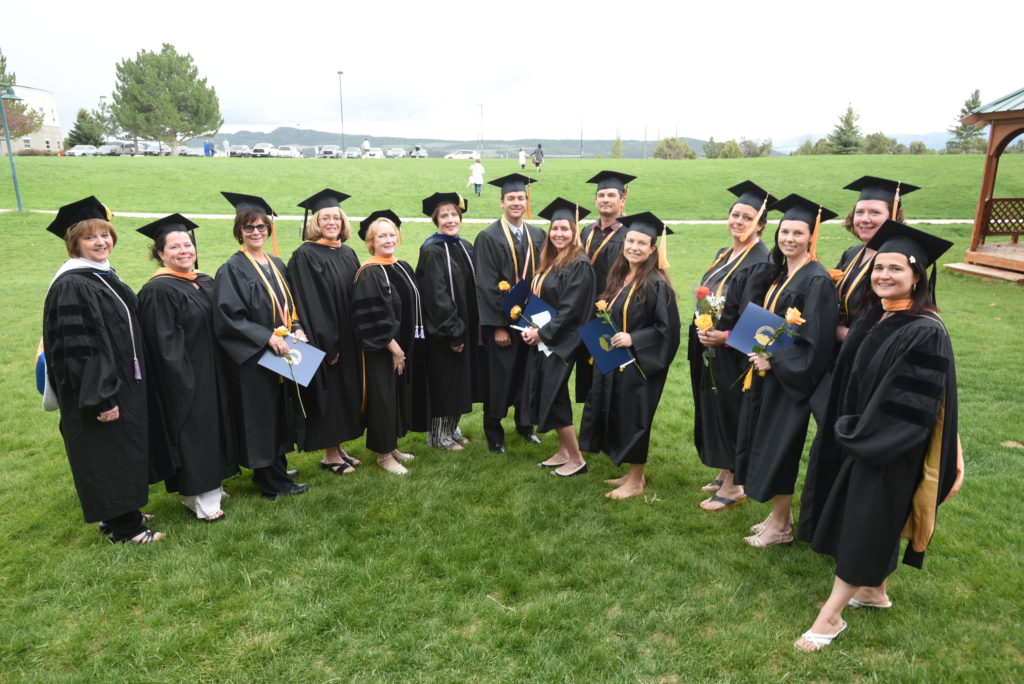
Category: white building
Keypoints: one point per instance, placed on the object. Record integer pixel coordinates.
(48, 137)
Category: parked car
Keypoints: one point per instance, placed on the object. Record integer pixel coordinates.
(329, 152)
(375, 153)
(240, 151)
(110, 150)
(462, 154)
(190, 151)
(353, 152)
(263, 150)
(419, 152)
(292, 151)
(81, 151)
(395, 153)
(155, 149)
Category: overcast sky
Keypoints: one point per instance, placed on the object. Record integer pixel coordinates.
(726, 69)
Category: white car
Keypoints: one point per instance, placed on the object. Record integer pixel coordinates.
(375, 153)
(462, 154)
(290, 151)
(329, 152)
(419, 152)
(81, 151)
(263, 150)
(395, 153)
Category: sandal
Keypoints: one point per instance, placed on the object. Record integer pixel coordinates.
(854, 603)
(818, 641)
(349, 459)
(462, 439)
(756, 529)
(343, 468)
(713, 486)
(147, 536)
(765, 538)
(215, 518)
(146, 517)
(401, 456)
(726, 503)
(396, 467)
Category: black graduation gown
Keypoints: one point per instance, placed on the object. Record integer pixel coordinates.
(852, 288)
(620, 408)
(602, 256)
(506, 366)
(89, 345)
(570, 291)
(244, 319)
(775, 411)
(385, 308)
(716, 415)
(898, 404)
(320, 277)
(447, 283)
(191, 380)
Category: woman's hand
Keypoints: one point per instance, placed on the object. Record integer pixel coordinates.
(622, 339)
(458, 349)
(334, 361)
(300, 335)
(108, 416)
(841, 332)
(279, 346)
(760, 362)
(530, 336)
(397, 357)
(711, 338)
(501, 337)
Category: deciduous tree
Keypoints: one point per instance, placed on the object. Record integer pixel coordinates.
(879, 143)
(21, 119)
(617, 148)
(674, 148)
(731, 150)
(712, 149)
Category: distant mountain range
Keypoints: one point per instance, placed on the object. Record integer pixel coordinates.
(631, 149)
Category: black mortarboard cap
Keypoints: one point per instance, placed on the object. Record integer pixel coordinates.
(872, 187)
(612, 179)
(514, 182)
(646, 223)
(364, 225)
(322, 200)
(797, 208)
(561, 209)
(70, 214)
(242, 202)
(168, 224)
(752, 195)
(917, 245)
(438, 198)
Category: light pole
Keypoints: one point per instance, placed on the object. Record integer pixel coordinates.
(480, 147)
(341, 109)
(8, 94)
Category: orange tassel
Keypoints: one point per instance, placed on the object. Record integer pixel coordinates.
(896, 201)
(662, 257)
(273, 236)
(757, 218)
(528, 195)
(814, 237)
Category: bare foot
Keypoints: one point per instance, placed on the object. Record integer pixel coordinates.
(559, 459)
(873, 597)
(626, 490)
(617, 481)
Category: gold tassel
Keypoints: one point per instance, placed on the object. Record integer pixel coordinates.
(578, 242)
(896, 201)
(273, 236)
(757, 219)
(748, 378)
(528, 195)
(814, 237)
(662, 257)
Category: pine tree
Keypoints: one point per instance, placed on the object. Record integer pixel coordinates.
(845, 137)
(87, 131)
(967, 138)
(617, 148)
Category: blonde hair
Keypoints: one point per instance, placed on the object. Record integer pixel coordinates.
(312, 230)
(85, 229)
(371, 232)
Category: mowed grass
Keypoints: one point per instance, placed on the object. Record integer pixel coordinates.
(482, 567)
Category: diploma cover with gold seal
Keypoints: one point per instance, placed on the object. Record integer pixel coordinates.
(755, 328)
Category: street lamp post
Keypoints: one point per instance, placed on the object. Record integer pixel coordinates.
(8, 94)
(341, 109)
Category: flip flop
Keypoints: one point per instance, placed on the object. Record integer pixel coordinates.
(819, 641)
(713, 486)
(854, 603)
(726, 502)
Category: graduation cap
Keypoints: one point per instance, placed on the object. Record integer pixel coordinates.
(242, 202)
(651, 226)
(365, 224)
(797, 208)
(918, 246)
(514, 182)
(874, 188)
(563, 210)
(169, 224)
(612, 179)
(83, 209)
(438, 198)
(324, 199)
(752, 195)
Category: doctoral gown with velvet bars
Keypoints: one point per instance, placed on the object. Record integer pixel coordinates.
(776, 410)
(897, 377)
(620, 408)
(190, 373)
(570, 292)
(445, 277)
(321, 280)
(716, 415)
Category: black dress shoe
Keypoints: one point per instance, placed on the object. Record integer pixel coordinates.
(496, 448)
(294, 489)
(291, 473)
(530, 436)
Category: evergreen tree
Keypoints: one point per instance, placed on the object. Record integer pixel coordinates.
(20, 119)
(87, 131)
(967, 139)
(845, 137)
(159, 95)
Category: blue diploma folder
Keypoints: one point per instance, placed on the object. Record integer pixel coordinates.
(307, 360)
(535, 306)
(755, 327)
(517, 296)
(597, 335)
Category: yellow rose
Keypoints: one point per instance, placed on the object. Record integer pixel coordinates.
(836, 274)
(504, 286)
(601, 305)
(793, 316)
(514, 313)
(280, 331)
(704, 322)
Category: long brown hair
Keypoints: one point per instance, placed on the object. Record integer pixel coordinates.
(551, 258)
(645, 276)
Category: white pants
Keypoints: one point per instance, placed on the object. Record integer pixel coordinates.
(204, 505)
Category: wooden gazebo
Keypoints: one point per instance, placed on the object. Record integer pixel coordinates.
(997, 217)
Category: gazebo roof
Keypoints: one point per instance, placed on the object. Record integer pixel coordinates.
(1006, 106)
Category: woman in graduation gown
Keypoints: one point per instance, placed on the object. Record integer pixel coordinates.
(565, 281)
(716, 401)
(891, 453)
(189, 368)
(621, 405)
(95, 361)
(879, 201)
(255, 311)
(775, 411)
(388, 318)
(320, 274)
(454, 360)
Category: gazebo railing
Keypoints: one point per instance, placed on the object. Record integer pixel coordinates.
(1004, 216)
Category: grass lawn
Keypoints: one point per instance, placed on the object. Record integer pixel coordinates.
(483, 567)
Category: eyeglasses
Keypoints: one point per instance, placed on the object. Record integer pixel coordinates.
(252, 229)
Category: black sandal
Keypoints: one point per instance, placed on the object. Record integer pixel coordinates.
(148, 537)
(146, 517)
(215, 518)
(351, 461)
(344, 468)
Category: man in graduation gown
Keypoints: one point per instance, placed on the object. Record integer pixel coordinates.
(507, 251)
(602, 243)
